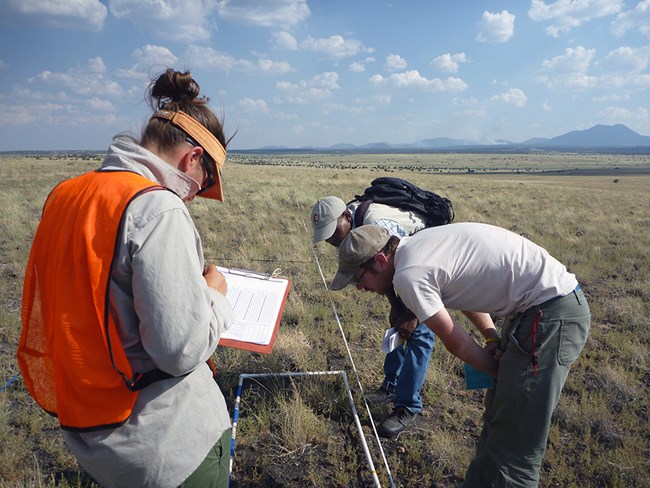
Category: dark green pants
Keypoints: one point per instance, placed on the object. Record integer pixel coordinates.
(214, 471)
(518, 410)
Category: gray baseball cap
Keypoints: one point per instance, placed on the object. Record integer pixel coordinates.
(358, 247)
(323, 217)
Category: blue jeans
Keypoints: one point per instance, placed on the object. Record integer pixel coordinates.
(405, 368)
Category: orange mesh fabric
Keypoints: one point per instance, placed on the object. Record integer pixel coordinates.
(69, 352)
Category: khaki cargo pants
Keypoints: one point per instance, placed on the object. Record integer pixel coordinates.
(518, 410)
(214, 471)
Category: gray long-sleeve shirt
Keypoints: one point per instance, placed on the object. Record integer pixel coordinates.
(167, 318)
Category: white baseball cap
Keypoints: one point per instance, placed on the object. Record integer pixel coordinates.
(323, 217)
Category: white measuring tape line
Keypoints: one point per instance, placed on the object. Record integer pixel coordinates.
(235, 421)
(338, 321)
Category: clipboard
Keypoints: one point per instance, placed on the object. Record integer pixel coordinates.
(258, 300)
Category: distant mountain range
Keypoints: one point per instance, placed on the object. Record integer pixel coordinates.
(598, 137)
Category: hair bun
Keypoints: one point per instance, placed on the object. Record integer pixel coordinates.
(188, 89)
(176, 87)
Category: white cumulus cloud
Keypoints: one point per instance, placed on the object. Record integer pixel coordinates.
(149, 59)
(328, 80)
(209, 58)
(89, 80)
(273, 67)
(180, 20)
(100, 105)
(68, 14)
(151, 54)
(627, 59)
(621, 114)
(284, 40)
(395, 62)
(637, 18)
(268, 13)
(305, 91)
(613, 97)
(250, 105)
(496, 27)
(449, 63)
(21, 114)
(565, 15)
(413, 79)
(213, 60)
(514, 96)
(569, 70)
(335, 46)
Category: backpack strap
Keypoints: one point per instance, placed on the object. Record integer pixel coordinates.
(360, 212)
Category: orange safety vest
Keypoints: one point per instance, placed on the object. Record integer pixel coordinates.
(70, 353)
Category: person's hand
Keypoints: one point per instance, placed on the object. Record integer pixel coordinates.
(405, 325)
(215, 279)
(494, 348)
(398, 314)
(402, 319)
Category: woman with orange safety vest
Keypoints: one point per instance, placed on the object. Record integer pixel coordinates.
(121, 313)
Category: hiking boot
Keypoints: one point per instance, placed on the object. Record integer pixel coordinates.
(380, 395)
(396, 422)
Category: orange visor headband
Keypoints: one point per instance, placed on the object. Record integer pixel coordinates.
(205, 139)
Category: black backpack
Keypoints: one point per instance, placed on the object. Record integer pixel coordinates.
(396, 192)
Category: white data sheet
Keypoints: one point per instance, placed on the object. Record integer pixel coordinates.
(258, 301)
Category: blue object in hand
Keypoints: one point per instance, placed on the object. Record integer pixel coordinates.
(476, 380)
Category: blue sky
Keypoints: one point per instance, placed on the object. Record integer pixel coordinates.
(319, 72)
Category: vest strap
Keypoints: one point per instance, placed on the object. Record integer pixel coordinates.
(142, 380)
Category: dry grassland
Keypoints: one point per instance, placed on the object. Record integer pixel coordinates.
(300, 431)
